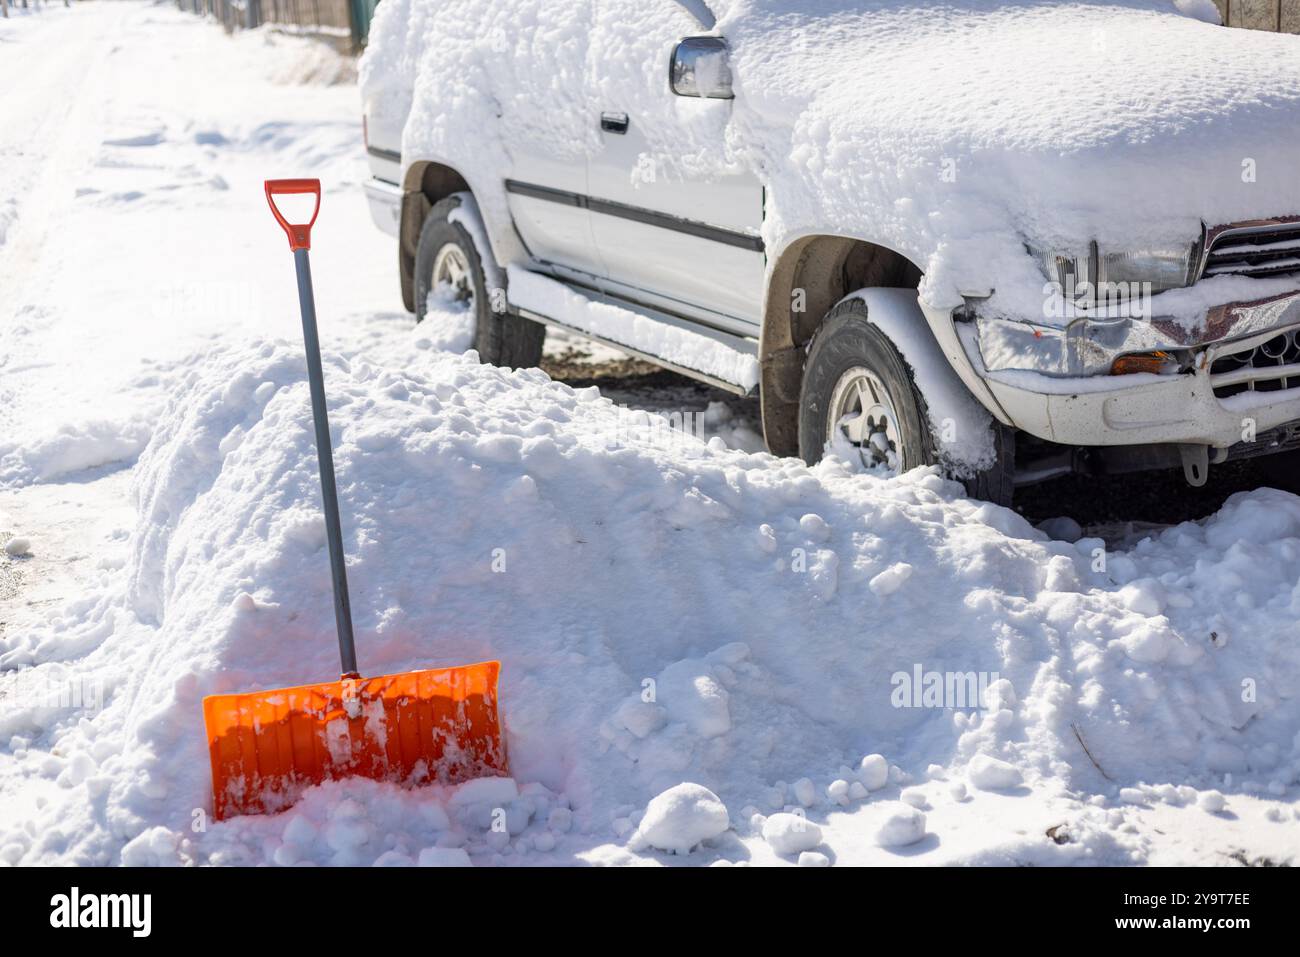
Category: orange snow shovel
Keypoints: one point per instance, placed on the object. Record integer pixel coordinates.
(412, 728)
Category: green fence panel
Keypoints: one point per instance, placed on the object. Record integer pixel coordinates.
(363, 11)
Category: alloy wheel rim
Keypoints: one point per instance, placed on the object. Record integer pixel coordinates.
(862, 414)
(451, 268)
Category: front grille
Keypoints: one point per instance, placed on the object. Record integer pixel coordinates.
(1269, 366)
(1269, 248)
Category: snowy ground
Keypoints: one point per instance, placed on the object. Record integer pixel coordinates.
(155, 454)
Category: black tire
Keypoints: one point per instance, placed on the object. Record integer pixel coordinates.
(500, 338)
(847, 340)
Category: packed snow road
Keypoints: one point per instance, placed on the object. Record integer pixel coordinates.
(706, 650)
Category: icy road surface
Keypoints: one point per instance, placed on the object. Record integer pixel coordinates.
(702, 645)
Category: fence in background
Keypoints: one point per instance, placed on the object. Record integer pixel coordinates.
(345, 23)
(1278, 15)
(348, 21)
(36, 4)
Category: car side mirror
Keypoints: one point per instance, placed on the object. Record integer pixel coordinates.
(701, 67)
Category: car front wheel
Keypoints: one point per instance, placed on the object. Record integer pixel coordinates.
(860, 400)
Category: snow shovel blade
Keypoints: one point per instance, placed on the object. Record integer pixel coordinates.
(419, 727)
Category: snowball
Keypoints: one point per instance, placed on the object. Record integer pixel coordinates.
(17, 547)
(873, 772)
(805, 792)
(444, 857)
(1212, 801)
(1061, 575)
(814, 859)
(791, 833)
(991, 774)
(913, 796)
(838, 791)
(680, 818)
(891, 579)
(903, 825)
(815, 527)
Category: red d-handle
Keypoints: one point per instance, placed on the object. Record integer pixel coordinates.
(299, 234)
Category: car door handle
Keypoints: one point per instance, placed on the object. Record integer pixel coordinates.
(613, 122)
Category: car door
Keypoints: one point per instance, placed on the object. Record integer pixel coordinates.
(548, 136)
(670, 230)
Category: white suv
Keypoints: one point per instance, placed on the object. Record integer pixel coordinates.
(1017, 239)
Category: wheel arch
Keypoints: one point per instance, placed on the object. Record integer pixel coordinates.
(810, 274)
(425, 183)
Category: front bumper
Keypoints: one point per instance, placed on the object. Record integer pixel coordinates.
(1054, 382)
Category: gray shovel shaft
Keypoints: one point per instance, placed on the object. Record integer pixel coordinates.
(325, 455)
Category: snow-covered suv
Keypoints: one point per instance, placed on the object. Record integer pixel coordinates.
(1015, 238)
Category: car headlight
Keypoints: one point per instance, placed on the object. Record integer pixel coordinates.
(1098, 278)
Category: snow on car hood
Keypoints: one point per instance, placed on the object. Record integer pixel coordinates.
(950, 132)
(955, 132)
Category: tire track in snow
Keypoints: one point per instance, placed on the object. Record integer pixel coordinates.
(51, 138)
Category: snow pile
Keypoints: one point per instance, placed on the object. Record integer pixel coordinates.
(938, 151)
(291, 59)
(670, 613)
(1203, 10)
(73, 447)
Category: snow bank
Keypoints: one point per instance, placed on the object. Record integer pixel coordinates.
(937, 150)
(291, 59)
(73, 447)
(667, 611)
